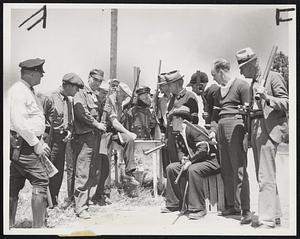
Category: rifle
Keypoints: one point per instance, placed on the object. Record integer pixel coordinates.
(155, 99)
(154, 149)
(129, 104)
(267, 69)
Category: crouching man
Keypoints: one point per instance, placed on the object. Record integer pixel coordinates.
(197, 160)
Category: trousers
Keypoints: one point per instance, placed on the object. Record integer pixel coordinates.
(233, 161)
(86, 147)
(264, 152)
(58, 159)
(195, 175)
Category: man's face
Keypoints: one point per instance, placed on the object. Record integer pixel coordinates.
(102, 95)
(218, 76)
(94, 83)
(198, 88)
(173, 87)
(146, 98)
(248, 70)
(177, 123)
(164, 88)
(36, 77)
(71, 90)
(114, 85)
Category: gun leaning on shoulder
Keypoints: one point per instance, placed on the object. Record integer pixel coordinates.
(155, 98)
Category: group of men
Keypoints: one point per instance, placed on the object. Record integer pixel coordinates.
(205, 131)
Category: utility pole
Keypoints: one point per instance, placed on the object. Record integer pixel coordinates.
(113, 43)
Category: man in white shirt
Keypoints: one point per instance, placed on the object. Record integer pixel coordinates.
(27, 124)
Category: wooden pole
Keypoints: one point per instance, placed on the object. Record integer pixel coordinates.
(113, 43)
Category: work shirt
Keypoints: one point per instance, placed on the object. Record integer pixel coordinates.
(86, 112)
(163, 108)
(26, 113)
(63, 115)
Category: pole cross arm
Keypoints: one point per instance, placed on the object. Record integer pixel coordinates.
(44, 9)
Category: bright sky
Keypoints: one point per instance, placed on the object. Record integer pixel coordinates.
(187, 38)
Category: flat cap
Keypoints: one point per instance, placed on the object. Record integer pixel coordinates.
(143, 90)
(114, 80)
(198, 77)
(173, 76)
(245, 55)
(33, 64)
(73, 79)
(97, 74)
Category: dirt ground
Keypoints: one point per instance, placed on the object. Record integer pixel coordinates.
(142, 215)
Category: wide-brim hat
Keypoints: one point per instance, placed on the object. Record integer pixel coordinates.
(162, 79)
(244, 56)
(142, 90)
(104, 86)
(173, 76)
(125, 88)
(182, 111)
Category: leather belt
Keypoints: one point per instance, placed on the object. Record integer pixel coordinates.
(234, 116)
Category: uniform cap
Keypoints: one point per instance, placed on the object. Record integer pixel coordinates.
(33, 64)
(97, 74)
(173, 76)
(244, 56)
(73, 79)
(183, 112)
(142, 90)
(198, 77)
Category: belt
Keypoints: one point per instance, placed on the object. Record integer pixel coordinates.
(235, 116)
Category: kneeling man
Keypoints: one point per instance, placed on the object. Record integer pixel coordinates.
(197, 158)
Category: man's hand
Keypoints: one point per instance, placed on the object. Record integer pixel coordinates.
(132, 135)
(68, 137)
(42, 149)
(101, 126)
(186, 165)
(245, 142)
(262, 92)
(212, 138)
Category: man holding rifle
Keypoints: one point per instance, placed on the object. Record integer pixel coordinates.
(196, 162)
(269, 106)
(27, 125)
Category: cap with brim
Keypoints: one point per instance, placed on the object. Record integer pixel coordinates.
(162, 79)
(183, 112)
(33, 64)
(198, 77)
(244, 56)
(114, 80)
(173, 76)
(143, 90)
(97, 74)
(73, 79)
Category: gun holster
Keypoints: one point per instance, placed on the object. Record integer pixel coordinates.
(15, 145)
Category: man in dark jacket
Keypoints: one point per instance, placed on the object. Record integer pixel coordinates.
(195, 154)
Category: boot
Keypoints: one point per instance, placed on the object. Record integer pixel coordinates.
(13, 205)
(38, 204)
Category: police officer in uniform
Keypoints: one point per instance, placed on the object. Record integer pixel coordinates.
(27, 124)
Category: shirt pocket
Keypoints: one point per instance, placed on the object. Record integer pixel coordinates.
(32, 107)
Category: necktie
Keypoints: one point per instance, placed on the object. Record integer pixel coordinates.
(181, 144)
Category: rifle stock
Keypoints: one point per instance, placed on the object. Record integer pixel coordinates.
(267, 69)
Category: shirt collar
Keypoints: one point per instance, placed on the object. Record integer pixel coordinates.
(181, 93)
(26, 84)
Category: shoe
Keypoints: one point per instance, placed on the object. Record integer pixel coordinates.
(131, 180)
(103, 200)
(67, 203)
(277, 221)
(84, 214)
(169, 209)
(229, 212)
(197, 215)
(258, 224)
(246, 217)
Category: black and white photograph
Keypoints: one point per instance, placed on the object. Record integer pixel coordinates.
(149, 119)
